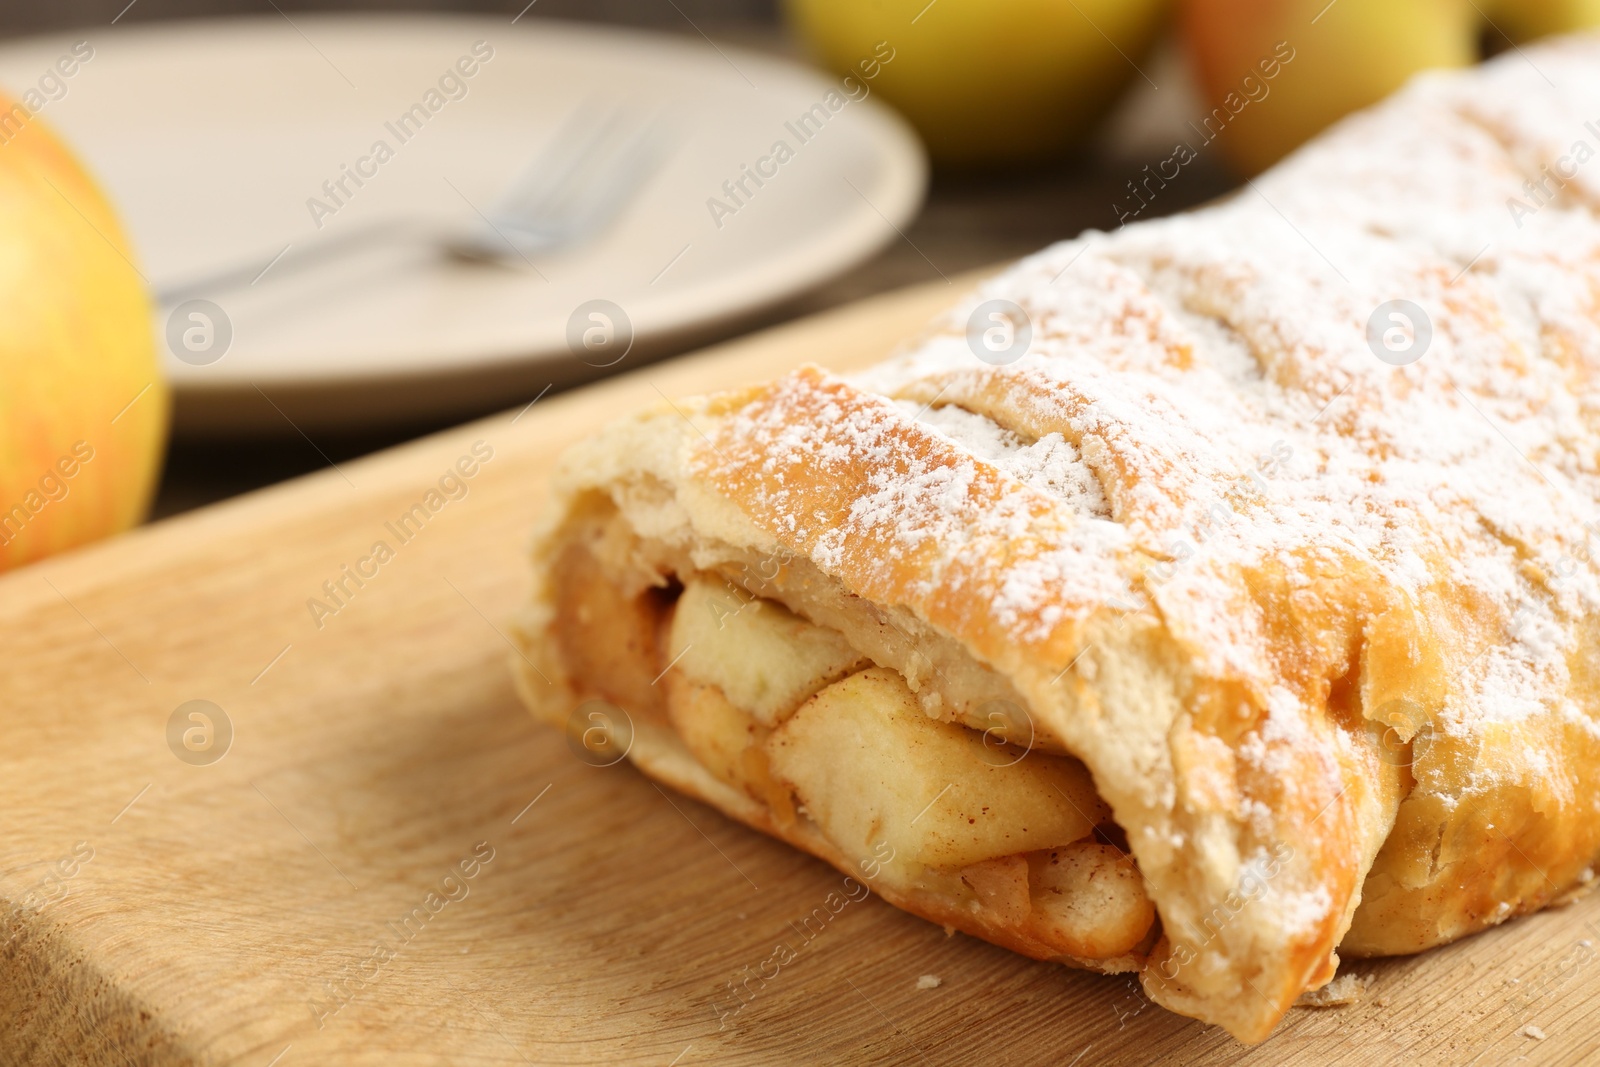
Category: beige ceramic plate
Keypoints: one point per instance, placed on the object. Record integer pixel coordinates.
(215, 137)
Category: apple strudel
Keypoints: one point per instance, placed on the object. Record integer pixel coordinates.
(1246, 618)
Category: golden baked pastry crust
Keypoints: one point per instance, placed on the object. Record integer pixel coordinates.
(1319, 626)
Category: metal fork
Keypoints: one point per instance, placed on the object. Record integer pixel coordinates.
(593, 166)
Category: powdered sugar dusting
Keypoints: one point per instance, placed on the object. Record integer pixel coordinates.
(1178, 353)
(1050, 464)
(1203, 434)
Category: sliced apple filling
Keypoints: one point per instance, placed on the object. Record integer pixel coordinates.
(1013, 844)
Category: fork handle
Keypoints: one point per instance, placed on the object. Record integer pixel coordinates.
(322, 249)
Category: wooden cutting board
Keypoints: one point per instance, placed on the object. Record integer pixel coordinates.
(392, 864)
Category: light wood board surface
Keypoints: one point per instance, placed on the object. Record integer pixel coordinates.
(254, 910)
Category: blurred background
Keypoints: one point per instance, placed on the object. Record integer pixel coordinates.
(969, 132)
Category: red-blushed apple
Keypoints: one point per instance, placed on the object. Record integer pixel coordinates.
(1331, 58)
(83, 407)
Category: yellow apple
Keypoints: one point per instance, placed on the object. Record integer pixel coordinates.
(83, 409)
(986, 81)
(1524, 20)
(1329, 59)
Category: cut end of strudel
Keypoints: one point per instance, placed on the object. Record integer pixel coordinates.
(1200, 641)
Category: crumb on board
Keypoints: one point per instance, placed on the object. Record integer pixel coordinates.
(1532, 1031)
(1343, 990)
(929, 981)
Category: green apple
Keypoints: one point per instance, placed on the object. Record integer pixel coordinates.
(986, 82)
(1326, 59)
